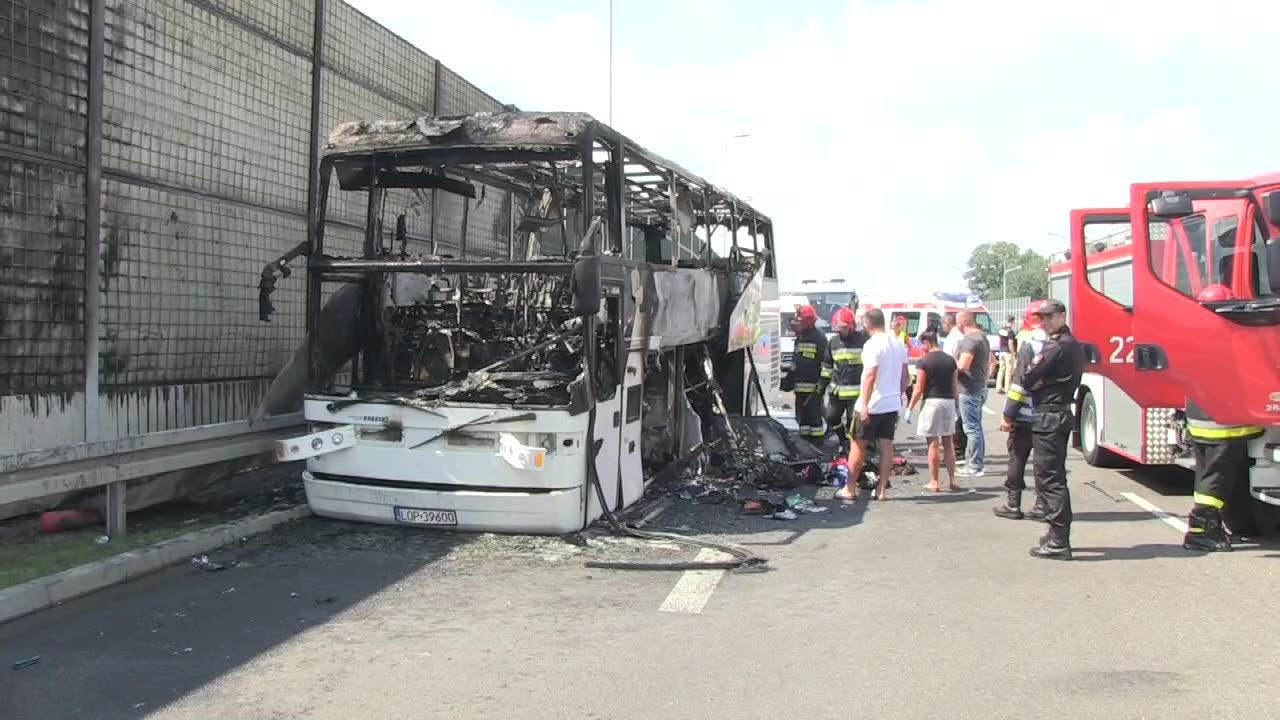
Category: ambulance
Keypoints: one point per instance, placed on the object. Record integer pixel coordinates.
(924, 311)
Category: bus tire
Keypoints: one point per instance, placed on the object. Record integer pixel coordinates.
(1090, 444)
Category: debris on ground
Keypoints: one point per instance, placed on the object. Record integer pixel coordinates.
(902, 466)
(871, 479)
(803, 504)
(27, 662)
(751, 458)
(710, 496)
(204, 563)
(785, 515)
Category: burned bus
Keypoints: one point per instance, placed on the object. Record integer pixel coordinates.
(523, 393)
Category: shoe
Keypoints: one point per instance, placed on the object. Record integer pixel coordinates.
(1202, 542)
(1006, 512)
(1205, 532)
(1037, 514)
(1045, 551)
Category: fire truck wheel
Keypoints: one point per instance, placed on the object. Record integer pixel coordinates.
(1094, 453)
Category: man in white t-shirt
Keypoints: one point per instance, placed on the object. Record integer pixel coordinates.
(951, 335)
(884, 381)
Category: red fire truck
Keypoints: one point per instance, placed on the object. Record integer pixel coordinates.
(1178, 296)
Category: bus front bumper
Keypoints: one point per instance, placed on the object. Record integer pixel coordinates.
(551, 512)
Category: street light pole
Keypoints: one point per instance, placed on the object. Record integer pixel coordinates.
(725, 159)
(1004, 280)
(727, 138)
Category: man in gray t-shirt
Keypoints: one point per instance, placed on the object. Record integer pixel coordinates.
(973, 358)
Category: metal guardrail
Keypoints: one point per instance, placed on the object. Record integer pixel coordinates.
(106, 464)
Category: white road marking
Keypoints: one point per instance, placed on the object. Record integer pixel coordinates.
(1171, 520)
(988, 410)
(694, 588)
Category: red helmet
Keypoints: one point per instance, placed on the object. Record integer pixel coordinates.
(844, 316)
(807, 316)
(1031, 316)
(1214, 293)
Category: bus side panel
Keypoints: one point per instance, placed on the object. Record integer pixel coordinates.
(768, 350)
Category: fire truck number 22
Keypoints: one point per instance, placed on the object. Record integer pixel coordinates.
(1119, 355)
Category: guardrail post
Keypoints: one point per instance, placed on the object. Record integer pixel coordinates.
(117, 522)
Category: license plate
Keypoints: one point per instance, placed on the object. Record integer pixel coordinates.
(419, 516)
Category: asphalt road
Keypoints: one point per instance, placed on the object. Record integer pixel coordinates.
(921, 606)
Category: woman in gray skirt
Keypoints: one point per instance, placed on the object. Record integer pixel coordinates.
(936, 390)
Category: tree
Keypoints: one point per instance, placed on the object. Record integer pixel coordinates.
(1028, 271)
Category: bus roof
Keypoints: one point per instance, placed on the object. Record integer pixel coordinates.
(516, 140)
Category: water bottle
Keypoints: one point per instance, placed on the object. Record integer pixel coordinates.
(842, 475)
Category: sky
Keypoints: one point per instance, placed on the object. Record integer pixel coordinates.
(888, 139)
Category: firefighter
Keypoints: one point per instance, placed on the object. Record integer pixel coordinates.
(1029, 342)
(806, 373)
(1222, 460)
(1051, 382)
(842, 376)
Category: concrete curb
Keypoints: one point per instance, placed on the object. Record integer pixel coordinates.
(67, 585)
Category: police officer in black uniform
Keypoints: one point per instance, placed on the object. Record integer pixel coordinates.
(1222, 462)
(1052, 381)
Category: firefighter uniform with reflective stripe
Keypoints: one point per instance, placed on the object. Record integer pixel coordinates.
(1222, 461)
(1030, 343)
(806, 373)
(1050, 384)
(842, 374)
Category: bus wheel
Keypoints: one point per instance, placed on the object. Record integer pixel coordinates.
(1094, 453)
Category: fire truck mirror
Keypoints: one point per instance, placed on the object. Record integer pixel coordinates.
(1273, 207)
(1171, 204)
(586, 286)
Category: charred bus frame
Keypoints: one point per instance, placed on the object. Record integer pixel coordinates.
(604, 223)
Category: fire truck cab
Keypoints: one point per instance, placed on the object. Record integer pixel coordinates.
(1177, 297)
